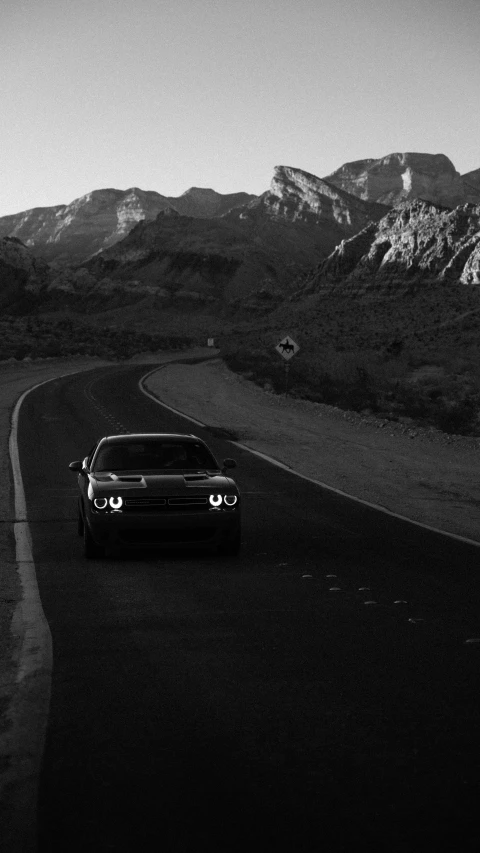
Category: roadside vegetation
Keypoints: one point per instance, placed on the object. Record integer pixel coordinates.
(414, 359)
(34, 337)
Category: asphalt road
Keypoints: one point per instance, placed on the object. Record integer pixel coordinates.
(203, 703)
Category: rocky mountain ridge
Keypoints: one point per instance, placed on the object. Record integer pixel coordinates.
(304, 229)
(251, 255)
(70, 234)
(74, 232)
(413, 244)
(298, 196)
(247, 259)
(407, 176)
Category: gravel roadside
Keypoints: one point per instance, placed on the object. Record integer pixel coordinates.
(422, 474)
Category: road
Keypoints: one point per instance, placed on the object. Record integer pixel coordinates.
(242, 704)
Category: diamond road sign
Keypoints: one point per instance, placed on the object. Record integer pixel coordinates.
(287, 348)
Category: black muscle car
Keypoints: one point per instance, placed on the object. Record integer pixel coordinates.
(156, 489)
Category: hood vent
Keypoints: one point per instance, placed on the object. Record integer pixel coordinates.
(194, 478)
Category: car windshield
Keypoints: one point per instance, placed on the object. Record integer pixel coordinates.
(154, 456)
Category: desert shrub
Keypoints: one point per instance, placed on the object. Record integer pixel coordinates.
(395, 383)
(449, 402)
(49, 349)
(41, 338)
(20, 351)
(459, 417)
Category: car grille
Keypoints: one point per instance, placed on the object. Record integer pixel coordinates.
(167, 504)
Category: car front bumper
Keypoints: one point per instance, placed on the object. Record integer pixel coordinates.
(185, 529)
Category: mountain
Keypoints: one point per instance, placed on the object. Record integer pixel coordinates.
(299, 197)
(247, 258)
(304, 234)
(414, 244)
(404, 177)
(340, 204)
(74, 232)
(191, 262)
(206, 203)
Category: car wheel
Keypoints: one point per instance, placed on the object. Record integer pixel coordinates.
(91, 550)
(231, 546)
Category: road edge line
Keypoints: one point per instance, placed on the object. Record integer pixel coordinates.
(161, 403)
(34, 662)
(290, 470)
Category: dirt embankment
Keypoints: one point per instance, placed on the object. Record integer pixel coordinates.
(422, 474)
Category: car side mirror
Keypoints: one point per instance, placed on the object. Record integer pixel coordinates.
(75, 466)
(229, 463)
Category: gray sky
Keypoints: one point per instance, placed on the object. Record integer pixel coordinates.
(168, 94)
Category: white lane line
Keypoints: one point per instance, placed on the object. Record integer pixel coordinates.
(290, 470)
(36, 651)
(30, 703)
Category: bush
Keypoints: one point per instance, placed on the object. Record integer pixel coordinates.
(370, 380)
(458, 417)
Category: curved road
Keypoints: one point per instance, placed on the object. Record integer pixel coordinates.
(199, 703)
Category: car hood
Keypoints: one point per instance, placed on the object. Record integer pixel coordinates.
(171, 484)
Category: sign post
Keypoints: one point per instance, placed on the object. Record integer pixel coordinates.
(287, 348)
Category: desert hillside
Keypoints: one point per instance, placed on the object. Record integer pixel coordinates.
(71, 233)
(249, 258)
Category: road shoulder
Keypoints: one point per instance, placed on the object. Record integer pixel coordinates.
(418, 473)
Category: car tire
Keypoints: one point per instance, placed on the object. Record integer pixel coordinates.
(91, 550)
(230, 547)
(80, 524)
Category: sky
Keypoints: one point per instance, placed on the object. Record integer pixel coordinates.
(169, 94)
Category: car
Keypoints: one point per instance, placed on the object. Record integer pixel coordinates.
(156, 489)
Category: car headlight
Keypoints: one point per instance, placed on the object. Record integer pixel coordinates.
(103, 503)
(229, 500)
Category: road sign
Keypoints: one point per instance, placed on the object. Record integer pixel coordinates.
(287, 348)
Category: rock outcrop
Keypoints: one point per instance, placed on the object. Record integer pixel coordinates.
(74, 232)
(414, 244)
(299, 197)
(405, 177)
(471, 184)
